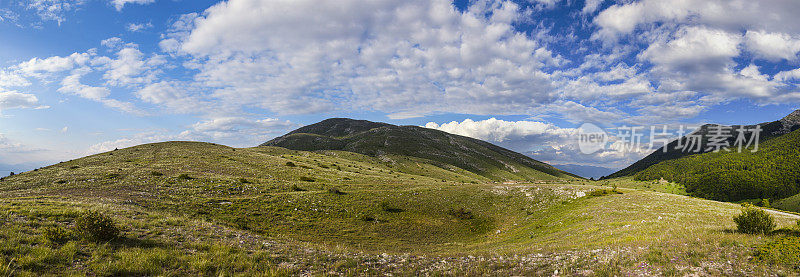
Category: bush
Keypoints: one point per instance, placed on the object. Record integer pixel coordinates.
(96, 226)
(290, 164)
(156, 173)
(57, 234)
(335, 190)
(367, 218)
(387, 207)
(296, 188)
(603, 192)
(184, 176)
(244, 181)
(460, 213)
(753, 220)
(307, 179)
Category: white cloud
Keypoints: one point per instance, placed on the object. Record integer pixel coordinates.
(130, 67)
(500, 130)
(17, 100)
(773, 46)
(788, 75)
(543, 141)
(176, 98)
(12, 79)
(230, 127)
(591, 6)
(119, 4)
(38, 67)
(773, 16)
(54, 10)
(406, 58)
(136, 27)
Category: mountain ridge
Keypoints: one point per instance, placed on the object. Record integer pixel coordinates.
(441, 148)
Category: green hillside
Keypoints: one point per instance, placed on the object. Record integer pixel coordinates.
(770, 130)
(434, 147)
(772, 172)
(188, 208)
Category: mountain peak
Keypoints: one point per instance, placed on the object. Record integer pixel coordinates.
(406, 143)
(791, 122)
(339, 127)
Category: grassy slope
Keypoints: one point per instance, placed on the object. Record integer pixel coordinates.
(772, 172)
(216, 223)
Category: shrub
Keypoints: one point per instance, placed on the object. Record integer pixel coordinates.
(307, 179)
(335, 190)
(184, 176)
(57, 234)
(387, 207)
(604, 192)
(96, 226)
(290, 164)
(244, 181)
(367, 218)
(765, 203)
(753, 220)
(156, 173)
(460, 213)
(296, 188)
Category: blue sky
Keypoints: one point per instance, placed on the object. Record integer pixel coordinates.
(79, 77)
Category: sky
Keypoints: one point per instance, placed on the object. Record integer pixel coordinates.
(79, 77)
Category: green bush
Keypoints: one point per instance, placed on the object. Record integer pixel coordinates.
(290, 164)
(244, 181)
(184, 176)
(335, 190)
(296, 188)
(388, 207)
(156, 173)
(57, 234)
(603, 192)
(307, 179)
(461, 213)
(96, 226)
(753, 220)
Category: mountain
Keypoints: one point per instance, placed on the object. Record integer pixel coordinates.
(445, 150)
(770, 130)
(197, 209)
(585, 171)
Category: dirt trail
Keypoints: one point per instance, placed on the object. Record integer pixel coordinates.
(783, 213)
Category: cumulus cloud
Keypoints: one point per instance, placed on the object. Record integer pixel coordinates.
(405, 58)
(773, 46)
(624, 18)
(544, 141)
(17, 100)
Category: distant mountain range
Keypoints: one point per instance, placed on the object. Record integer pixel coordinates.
(586, 171)
(433, 146)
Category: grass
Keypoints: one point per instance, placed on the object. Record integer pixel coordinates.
(382, 220)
